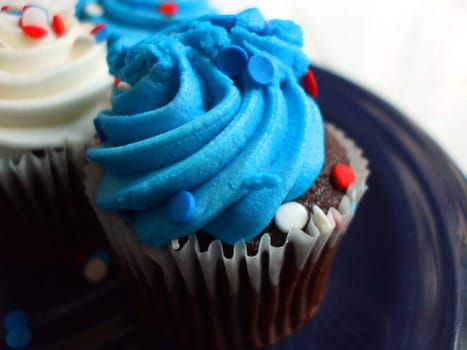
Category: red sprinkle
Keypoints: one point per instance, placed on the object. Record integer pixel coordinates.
(97, 28)
(5, 8)
(342, 176)
(168, 8)
(58, 25)
(309, 84)
(35, 32)
(116, 82)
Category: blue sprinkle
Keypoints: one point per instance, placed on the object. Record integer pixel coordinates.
(232, 60)
(102, 254)
(99, 131)
(181, 208)
(101, 35)
(261, 70)
(226, 21)
(15, 13)
(19, 338)
(14, 319)
(127, 216)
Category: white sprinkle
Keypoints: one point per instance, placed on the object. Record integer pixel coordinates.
(123, 86)
(96, 270)
(94, 10)
(35, 16)
(175, 244)
(291, 215)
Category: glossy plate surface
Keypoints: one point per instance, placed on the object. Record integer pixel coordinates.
(398, 280)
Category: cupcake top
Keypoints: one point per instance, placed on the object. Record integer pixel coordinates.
(53, 75)
(133, 20)
(210, 129)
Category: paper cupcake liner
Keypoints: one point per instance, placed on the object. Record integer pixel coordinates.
(210, 301)
(45, 213)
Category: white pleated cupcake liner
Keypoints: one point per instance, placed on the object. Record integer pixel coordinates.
(238, 302)
(43, 204)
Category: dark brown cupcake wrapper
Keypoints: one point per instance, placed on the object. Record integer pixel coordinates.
(45, 213)
(209, 301)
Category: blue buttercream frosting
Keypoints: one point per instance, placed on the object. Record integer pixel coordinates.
(129, 21)
(236, 149)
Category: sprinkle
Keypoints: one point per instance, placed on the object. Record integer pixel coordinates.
(15, 13)
(168, 9)
(232, 60)
(116, 81)
(261, 70)
(342, 176)
(175, 244)
(19, 338)
(100, 32)
(58, 25)
(181, 208)
(5, 8)
(226, 21)
(96, 270)
(94, 10)
(291, 215)
(34, 21)
(35, 32)
(309, 84)
(123, 86)
(15, 319)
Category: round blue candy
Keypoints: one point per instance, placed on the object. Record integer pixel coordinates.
(260, 69)
(232, 60)
(181, 208)
(15, 319)
(19, 338)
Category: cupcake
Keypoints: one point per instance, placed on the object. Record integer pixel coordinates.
(130, 21)
(221, 191)
(54, 78)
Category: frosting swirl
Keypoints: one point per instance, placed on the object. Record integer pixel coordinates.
(237, 145)
(50, 86)
(147, 16)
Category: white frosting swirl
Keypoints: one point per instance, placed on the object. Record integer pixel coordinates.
(50, 88)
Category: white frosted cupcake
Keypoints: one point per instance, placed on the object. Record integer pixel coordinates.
(53, 80)
(53, 77)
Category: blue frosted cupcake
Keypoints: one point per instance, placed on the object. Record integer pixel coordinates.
(222, 192)
(132, 20)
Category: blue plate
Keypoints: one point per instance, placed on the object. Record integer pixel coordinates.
(398, 280)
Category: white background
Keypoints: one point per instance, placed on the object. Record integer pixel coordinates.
(413, 53)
